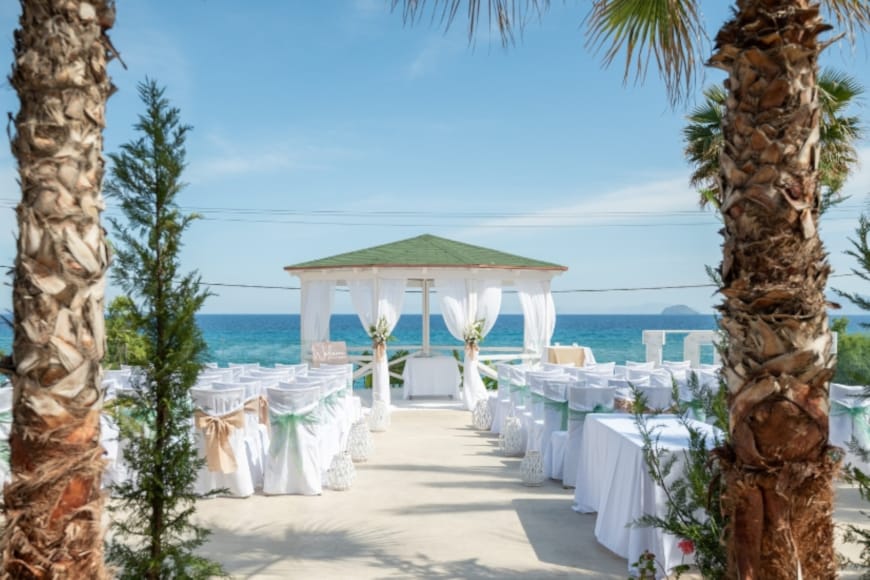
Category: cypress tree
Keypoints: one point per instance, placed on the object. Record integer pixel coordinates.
(155, 536)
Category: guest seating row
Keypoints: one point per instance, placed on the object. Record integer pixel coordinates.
(256, 427)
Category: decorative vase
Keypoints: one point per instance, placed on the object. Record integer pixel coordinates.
(341, 472)
(481, 417)
(511, 440)
(379, 418)
(359, 442)
(532, 469)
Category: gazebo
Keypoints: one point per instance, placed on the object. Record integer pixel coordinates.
(467, 279)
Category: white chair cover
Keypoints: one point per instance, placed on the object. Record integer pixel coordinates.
(502, 408)
(850, 418)
(256, 424)
(294, 465)
(582, 400)
(217, 411)
(5, 429)
(555, 419)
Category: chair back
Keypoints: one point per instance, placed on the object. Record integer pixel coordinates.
(635, 374)
(586, 399)
(662, 378)
(648, 365)
(296, 400)
(299, 369)
(556, 388)
(657, 397)
(848, 395)
(676, 365)
(218, 401)
(605, 367)
(251, 389)
(535, 379)
(6, 398)
(597, 381)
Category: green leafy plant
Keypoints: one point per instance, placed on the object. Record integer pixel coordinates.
(125, 341)
(853, 355)
(692, 496)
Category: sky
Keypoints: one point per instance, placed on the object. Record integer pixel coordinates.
(326, 127)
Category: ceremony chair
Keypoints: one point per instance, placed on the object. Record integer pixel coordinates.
(850, 420)
(256, 424)
(5, 428)
(294, 463)
(503, 397)
(582, 400)
(555, 430)
(534, 414)
(219, 433)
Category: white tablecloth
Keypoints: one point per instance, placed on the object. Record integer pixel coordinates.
(431, 376)
(612, 479)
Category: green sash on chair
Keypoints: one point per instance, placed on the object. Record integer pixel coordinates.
(860, 421)
(5, 417)
(284, 427)
(562, 407)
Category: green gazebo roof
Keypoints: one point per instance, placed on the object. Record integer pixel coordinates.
(426, 251)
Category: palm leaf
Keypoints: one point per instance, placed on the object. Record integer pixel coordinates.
(670, 31)
(506, 15)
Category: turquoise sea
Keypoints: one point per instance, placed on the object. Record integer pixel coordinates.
(275, 338)
(271, 338)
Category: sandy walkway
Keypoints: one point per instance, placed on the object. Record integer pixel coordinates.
(436, 502)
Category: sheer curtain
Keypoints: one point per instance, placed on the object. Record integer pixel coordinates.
(316, 308)
(539, 314)
(375, 300)
(463, 303)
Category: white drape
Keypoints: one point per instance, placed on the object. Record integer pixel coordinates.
(539, 314)
(464, 302)
(373, 300)
(315, 310)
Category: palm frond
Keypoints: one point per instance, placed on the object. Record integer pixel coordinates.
(506, 15)
(851, 15)
(671, 31)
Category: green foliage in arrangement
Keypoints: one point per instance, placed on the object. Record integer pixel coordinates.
(691, 497)
(853, 355)
(125, 342)
(155, 535)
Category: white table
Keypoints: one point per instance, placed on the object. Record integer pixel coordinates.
(431, 376)
(612, 479)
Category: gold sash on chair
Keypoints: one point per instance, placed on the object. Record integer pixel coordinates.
(217, 429)
(260, 406)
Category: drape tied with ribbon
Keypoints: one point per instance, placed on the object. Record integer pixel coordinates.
(469, 308)
(217, 430)
(378, 303)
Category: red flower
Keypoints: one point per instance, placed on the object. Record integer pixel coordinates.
(686, 546)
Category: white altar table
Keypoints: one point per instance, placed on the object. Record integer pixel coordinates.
(431, 376)
(612, 479)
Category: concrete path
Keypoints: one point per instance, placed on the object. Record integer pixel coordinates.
(435, 501)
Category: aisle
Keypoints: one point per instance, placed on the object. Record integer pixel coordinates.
(435, 502)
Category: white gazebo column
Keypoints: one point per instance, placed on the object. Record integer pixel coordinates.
(426, 284)
(654, 340)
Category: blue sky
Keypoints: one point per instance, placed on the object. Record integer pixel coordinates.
(316, 118)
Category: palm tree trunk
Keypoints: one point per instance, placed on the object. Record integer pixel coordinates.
(53, 504)
(778, 468)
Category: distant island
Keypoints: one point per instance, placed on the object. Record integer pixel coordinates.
(678, 310)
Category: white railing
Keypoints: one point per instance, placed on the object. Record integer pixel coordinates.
(654, 340)
(492, 354)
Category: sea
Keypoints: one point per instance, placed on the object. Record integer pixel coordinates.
(271, 338)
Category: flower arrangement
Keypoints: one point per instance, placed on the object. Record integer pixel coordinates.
(473, 334)
(380, 331)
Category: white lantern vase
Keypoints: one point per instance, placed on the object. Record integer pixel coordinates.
(359, 442)
(532, 469)
(481, 417)
(512, 443)
(341, 473)
(379, 418)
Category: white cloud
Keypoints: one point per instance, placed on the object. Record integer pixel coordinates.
(670, 198)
